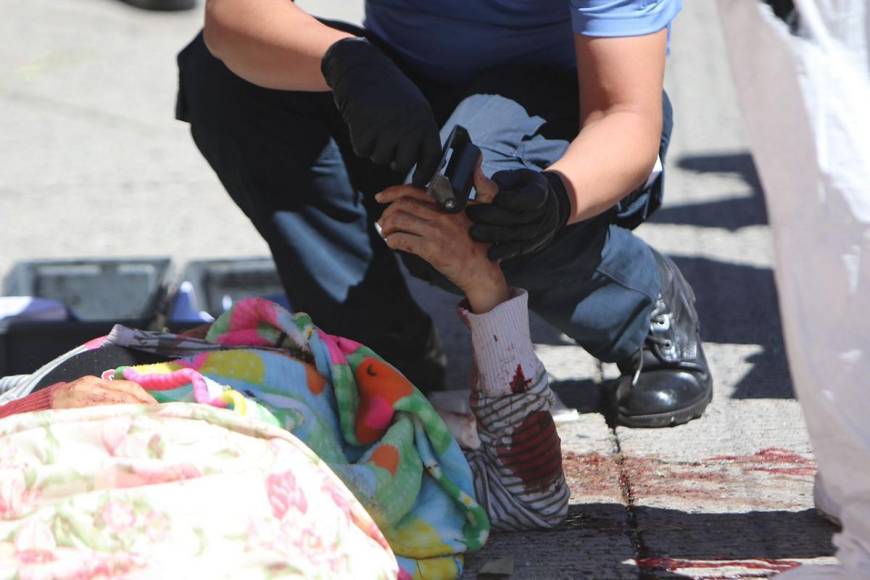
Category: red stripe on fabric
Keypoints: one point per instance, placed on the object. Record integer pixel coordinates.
(38, 401)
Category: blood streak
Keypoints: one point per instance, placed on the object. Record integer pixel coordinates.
(771, 460)
(520, 384)
(673, 564)
(769, 455)
(715, 479)
(534, 453)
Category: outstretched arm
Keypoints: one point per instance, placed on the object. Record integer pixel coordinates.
(87, 391)
(518, 465)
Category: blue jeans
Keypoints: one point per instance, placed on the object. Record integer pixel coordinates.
(285, 158)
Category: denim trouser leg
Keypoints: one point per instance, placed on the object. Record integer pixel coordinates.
(284, 158)
(597, 282)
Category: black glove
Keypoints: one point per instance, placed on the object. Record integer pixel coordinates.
(527, 212)
(390, 120)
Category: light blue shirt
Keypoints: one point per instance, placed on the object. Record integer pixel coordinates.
(453, 40)
(622, 17)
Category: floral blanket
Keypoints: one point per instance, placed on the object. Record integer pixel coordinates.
(162, 491)
(353, 410)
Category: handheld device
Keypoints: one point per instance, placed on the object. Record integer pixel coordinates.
(451, 186)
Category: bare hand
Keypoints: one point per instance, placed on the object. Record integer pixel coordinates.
(413, 223)
(90, 391)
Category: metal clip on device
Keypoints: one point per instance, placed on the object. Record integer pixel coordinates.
(453, 181)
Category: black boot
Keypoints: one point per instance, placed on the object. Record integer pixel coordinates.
(668, 382)
(162, 5)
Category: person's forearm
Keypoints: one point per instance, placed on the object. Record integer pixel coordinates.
(611, 157)
(518, 466)
(487, 290)
(502, 344)
(270, 43)
(488, 294)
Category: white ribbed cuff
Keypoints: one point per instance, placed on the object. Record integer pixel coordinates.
(503, 351)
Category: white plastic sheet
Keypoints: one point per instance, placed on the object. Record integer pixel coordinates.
(806, 101)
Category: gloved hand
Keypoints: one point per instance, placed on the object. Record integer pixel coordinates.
(527, 212)
(390, 120)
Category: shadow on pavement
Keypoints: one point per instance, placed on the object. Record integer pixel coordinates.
(592, 543)
(754, 535)
(598, 542)
(584, 395)
(739, 305)
(730, 214)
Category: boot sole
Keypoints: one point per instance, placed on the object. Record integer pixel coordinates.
(670, 419)
(162, 5)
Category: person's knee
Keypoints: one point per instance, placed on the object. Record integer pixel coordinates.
(195, 71)
(256, 138)
(505, 132)
(493, 121)
(212, 96)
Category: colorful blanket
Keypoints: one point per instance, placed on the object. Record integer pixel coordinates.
(165, 491)
(356, 412)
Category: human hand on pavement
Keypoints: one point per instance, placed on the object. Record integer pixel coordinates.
(89, 391)
(390, 120)
(526, 214)
(414, 223)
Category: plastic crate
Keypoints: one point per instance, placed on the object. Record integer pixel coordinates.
(99, 293)
(217, 284)
(94, 289)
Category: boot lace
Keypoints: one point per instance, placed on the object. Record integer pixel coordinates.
(658, 335)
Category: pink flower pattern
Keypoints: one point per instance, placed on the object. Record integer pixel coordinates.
(15, 498)
(79, 565)
(143, 474)
(156, 526)
(115, 433)
(304, 517)
(284, 493)
(35, 543)
(117, 516)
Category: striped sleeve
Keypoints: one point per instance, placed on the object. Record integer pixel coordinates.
(37, 401)
(518, 466)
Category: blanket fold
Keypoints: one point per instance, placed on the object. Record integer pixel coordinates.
(355, 411)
